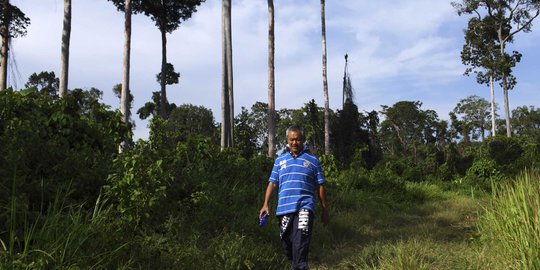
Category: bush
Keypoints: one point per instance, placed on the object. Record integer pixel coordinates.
(505, 152)
(46, 144)
(330, 167)
(482, 175)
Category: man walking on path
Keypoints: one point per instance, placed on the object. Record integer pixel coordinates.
(298, 175)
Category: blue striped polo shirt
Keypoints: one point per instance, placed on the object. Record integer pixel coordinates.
(297, 179)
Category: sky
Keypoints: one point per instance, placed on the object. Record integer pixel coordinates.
(398, 50)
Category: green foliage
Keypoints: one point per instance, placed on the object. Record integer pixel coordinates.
(47, 144)
(139, 184)
(190, 120)
(510, 227)
(194, 191)
(380, 179)
(330, 167)
(456, 160)
(167, 14)
(177, 202)
(117, 90)
(171, 77)
(244, 129)
(505, 152)
(483, 174)
(526, 121)
(45, 82)
(63, 237)
(475, 113)
(406, 126)
(348, 136)
(15, 18)
(151, 108)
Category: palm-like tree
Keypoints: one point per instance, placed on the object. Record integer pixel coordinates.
(325, 85)
(167, 15)
(227, 101)
(124, 97)
(271, 80)
(64, 60)
(13, 23)
(5, 44)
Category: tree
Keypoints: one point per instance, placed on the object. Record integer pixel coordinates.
(459, 129)
(45, 82)
(117, 90)
(526, 120)
(406, 127)
(167, 15)
(64, 59)
(227, 100)
(475, 113)
(244, 130)
(171, 77)
(347, 133)
(190, 120)
(151, 108)
(372, 125)
(125, 96)
(13, 23)
(348, 92)
(259, 122)
(480, 52)
(271, 80)
(325, 85)
(509, 18)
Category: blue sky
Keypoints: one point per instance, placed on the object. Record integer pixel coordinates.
(398, 50)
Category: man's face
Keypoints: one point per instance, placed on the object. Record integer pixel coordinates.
(294, 139)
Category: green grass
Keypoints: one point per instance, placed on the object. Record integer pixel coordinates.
(511, 224)
(423, 226)
(63, 237)
(370, 231)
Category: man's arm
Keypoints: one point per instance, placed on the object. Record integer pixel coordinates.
(269, 190)
(324, 204)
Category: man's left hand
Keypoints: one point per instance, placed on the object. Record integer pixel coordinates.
(325, 216)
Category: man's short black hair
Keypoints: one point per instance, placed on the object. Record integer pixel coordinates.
(298, 129)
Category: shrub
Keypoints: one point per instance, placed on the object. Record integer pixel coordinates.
(330, 167)
(505, 152)
(483, 174)
(46, 144)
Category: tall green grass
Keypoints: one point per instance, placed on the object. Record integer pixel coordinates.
(511, 223)
(63, 237)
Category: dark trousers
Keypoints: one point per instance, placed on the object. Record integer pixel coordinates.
(295, 233)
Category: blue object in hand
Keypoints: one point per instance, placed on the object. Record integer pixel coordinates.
(263, 220)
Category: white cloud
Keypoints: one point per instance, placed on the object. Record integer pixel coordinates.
(398, 50)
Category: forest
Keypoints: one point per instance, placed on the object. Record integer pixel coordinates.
(406, 188)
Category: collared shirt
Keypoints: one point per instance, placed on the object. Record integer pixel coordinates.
(297, 179)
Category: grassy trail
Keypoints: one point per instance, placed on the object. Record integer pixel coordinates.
(371, 233)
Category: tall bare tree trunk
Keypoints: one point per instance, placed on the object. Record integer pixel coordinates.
(64, 61)
(226, 83)
(505, 85)
(493, 128)
(271, 81)
(124, 97)
(230, 72)
(325, 85)
(5, 46)
(163, 108)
